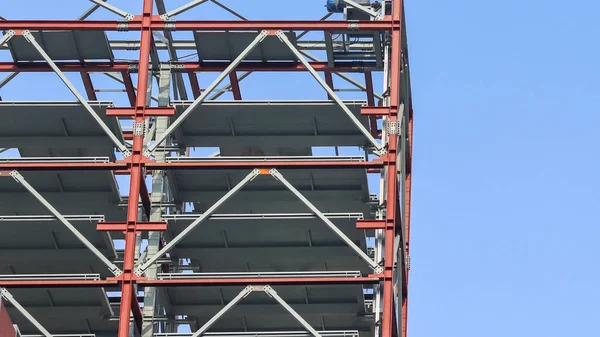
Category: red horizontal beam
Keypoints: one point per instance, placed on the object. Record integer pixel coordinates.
(58, 284)
(186, 25)
(222, 165)
(62, 166)
(183, 67)
(371, 279)
(375, 110)
(148, 111)
(141, 226)
(370, 224)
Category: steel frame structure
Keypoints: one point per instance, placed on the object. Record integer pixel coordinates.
(145, 155)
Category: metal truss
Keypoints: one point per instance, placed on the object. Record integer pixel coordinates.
(251, 176)
(245, 293)
(21, 180)
(29, 37)
(148, 150)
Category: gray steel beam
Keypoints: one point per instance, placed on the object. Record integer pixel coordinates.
(251, 176)
(20, 179)
(157, 197)
(207, 92)
(191, 44)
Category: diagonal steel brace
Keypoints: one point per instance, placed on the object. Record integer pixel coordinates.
(379, 148)
(7, 36)
(167, 16)
(251, 176)
(245, 293)
(114, 9)
(20, 179)
(175, 124)
(4, 293)
(29, 37)
(278, 176)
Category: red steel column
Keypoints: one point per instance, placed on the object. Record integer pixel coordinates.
(407, 204)
(392, 216)
(127, 296)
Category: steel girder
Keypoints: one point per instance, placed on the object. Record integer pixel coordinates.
(393, 225)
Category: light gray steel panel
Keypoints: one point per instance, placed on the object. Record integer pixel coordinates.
(63, 45)
(46, 235)
(64, 310)
(315, 179)
(274, 259)
(292, 294)
(100, 151)
(97, 203)
(52, 261)
(339, 191)
(271, 245)
(235, 124)
(346, 303)
(66, 320)
(75, 192)
(265, 233)
(279, 200)
(65, 181)
(54, 126)
(221, 46)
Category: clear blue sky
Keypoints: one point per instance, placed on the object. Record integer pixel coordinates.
(505, 193)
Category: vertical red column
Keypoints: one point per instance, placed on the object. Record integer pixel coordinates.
(407, 204)
(128, 297)
(392, 216)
